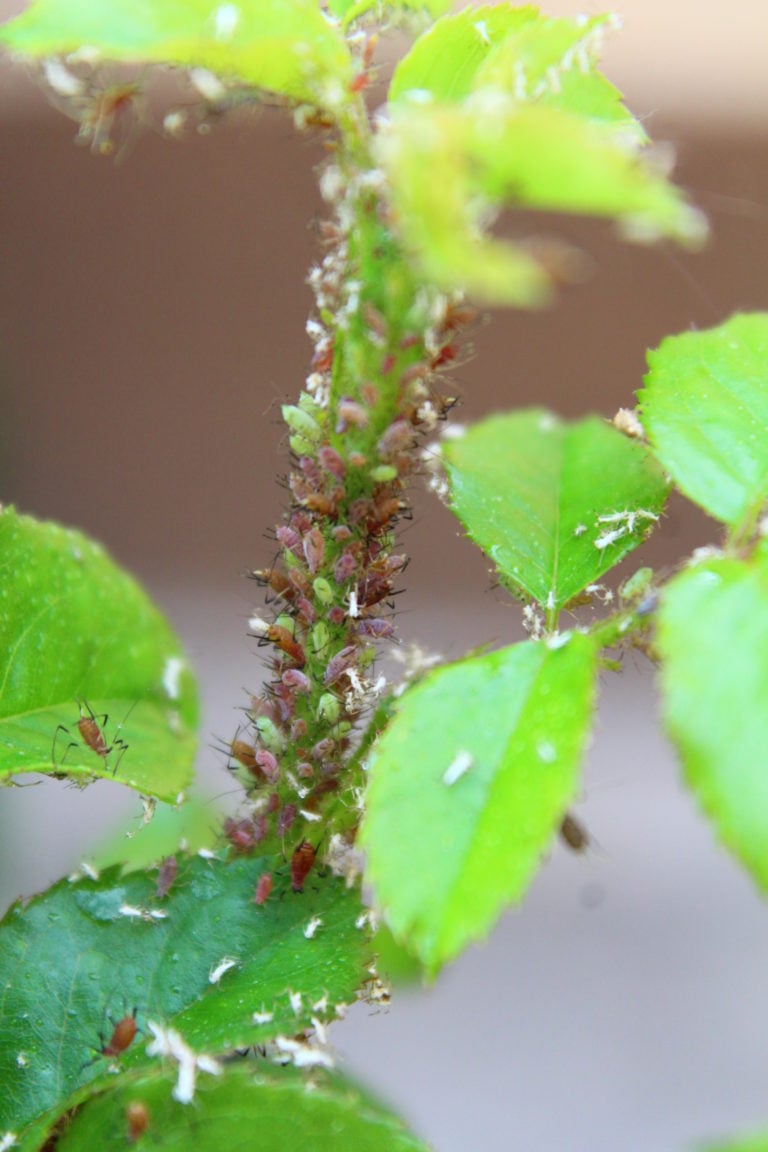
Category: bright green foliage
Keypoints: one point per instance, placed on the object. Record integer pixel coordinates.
(250, 1107)
(443, 63)
(467, 786)
(385, 10)
(282, 46)
(705, 408)
(60, 984)
(73, 627)
(748, 1144)
(713, 637)
(504, 107)
(488, 153)
(554, 505)
(515, 52)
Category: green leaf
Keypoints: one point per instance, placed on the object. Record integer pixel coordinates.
(443, 63)
(74, 627)
(83, 952)
(554, 505)
(385, 10)
(247, 1107)
(468, 785)
(515, 52)
(746, 1144)
(283, 46)
(713, 638)
(438, 218)
(491, 153)
(705, 408)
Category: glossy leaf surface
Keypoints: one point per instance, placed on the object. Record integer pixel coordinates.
(63, 992)
(78, 637)
(705, 408)
(469, 783)
(265, 1108)
(713, 637)
(283, 46)
(554, 505)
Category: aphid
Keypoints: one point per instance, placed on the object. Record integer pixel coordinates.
(166, 876)
(244, 835)
(275, 580)
(137, 1119)
(108, 118)
(263, 889)
(279, 636)
(573, 834)
(302, 861)
(339, 663)
(377, 629)
(92, 735)
(314, 549)
(285, 819)
(122, 1036)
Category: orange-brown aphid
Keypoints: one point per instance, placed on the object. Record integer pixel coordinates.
(286, 643)
(122, 1036)
(137, 1119)
(91, 728)
(275, 580)
(301, 865)
(573, 834)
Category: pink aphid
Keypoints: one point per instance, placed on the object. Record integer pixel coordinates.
(286, 819)
(166, 876)
(314, 549)
(377, 629)
(344, 567)
(330, 460)
(339, 663)
(351, 414)
(397, 438)
(263, 889)
(267, 761)
(294, 678)
(289, 538)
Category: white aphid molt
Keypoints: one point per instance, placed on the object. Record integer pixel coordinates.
(312, 926)
(149, 915)
(174, 666)
(459, 766)
(263, 1017)
(224, 965)
(167, 1042)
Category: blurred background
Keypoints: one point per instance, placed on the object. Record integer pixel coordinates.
(152, 322)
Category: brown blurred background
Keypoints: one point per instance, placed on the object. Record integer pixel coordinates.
(151, 323)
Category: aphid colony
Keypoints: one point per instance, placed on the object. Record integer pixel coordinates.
(354, 438)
